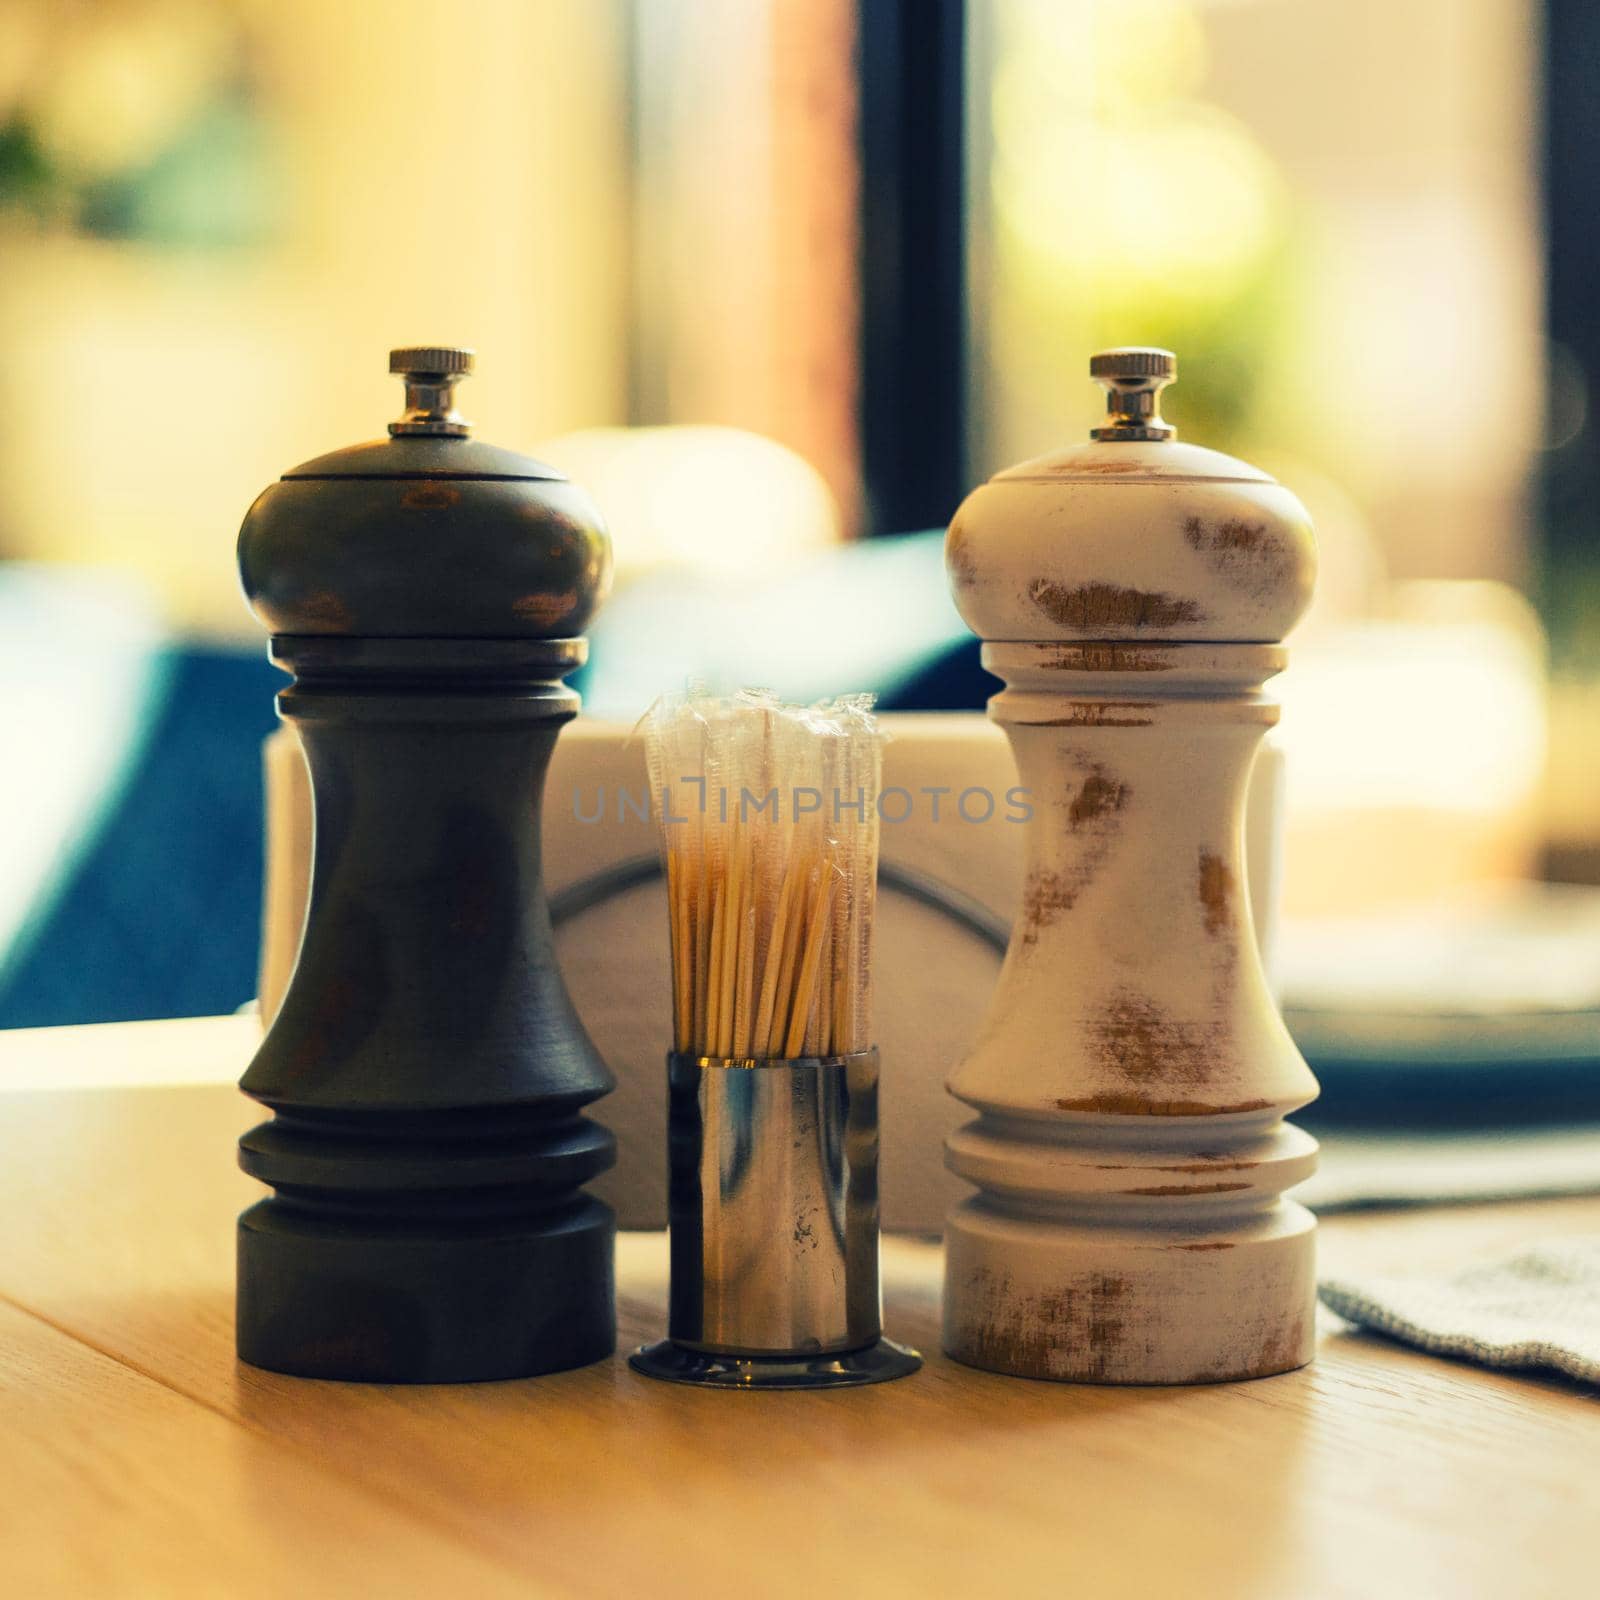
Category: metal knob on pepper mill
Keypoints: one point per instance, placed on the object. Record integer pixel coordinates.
(427, 1071)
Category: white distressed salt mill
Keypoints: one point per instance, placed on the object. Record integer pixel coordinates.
(1132, 1077)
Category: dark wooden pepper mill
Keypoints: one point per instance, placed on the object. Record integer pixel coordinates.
(427, 1072)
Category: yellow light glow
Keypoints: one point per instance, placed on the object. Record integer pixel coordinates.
(127, 79)
(717, 499)
(1441, 713)
(1187, 199)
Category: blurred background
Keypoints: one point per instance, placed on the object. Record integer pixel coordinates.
(779, 280)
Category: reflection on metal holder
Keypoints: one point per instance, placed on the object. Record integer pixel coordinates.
(773, 1203)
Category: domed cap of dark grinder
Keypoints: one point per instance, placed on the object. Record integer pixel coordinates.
(428, 533)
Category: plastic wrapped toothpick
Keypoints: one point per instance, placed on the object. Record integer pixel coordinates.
(769, 837)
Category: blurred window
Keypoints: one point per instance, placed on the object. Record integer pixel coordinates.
(1327, 207)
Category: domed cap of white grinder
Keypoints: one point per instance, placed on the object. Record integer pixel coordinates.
(1132, 535)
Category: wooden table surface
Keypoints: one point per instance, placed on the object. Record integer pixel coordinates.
(138, 1457)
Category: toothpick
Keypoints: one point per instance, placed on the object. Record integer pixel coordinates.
(769, 912)
(805, 985)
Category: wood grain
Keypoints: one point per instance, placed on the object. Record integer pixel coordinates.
(111, 1484)
(1376, 1471)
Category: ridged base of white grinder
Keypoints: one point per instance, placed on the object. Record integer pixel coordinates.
(1207, 1276)
(1087, 1306)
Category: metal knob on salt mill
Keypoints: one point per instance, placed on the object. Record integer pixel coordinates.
(1132, 1077)
(426, 1071)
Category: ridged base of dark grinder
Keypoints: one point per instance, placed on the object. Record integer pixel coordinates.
(432, 1285)
(328, 1300)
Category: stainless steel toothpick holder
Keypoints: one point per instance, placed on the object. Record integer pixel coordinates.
(773, 1206)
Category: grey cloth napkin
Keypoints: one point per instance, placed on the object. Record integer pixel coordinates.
(1537, 1309)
